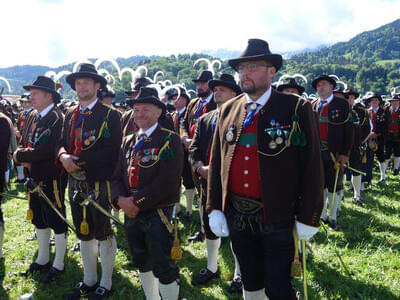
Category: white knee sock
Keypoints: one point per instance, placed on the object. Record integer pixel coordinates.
(43, 237)
(396, 162)
(237, 267)
(212, 254)
(61, 246)
(20, 171)
(325, 207)
(89, 253)
(7, 176)
(254, 295)
(169, 291)
(356, 181)
(333, 206)
(189, 195)
(108, 248)
(149, 285)
(382, 169)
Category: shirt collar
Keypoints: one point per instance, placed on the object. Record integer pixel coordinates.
(28, 110)
(182, 111)
(149, 131)
(328, 100)
(208, 99)
(90, 106)
(45, 111)
(262, 100)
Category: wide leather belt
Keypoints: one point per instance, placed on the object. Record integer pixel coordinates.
(245, 205)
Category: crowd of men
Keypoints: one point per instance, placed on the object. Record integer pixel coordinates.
(262, 159)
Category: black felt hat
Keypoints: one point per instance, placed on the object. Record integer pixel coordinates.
(86, 71)
(323, 77)
(139, 83)
(369, 96)
(225, 80)
(257, 50)
(148, 95)
(289, 82)
(205, 76)
(350, 91)
(45, 84)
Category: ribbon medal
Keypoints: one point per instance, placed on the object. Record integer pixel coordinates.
(229, 135)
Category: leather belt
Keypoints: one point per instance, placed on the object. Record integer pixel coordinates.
(245, 205)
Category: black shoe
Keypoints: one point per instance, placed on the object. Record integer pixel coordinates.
(52, 275)
(396, 172)
(338, 212)
(52, 241)
(100, 294)
(236, 286)
(382, 182)
(359, 201)
(76, 247)
(35, 267)
(325, 221)
(187, 217)
(197, 237)
(333, 225)
(79, 291)
(20, 180)
(204, 277)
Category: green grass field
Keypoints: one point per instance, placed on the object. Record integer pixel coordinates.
(361, 261)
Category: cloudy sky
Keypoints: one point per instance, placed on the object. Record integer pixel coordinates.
(55, 32)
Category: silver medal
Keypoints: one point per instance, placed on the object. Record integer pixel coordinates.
(279, 140)
(272, 145)
(229, 136)
(146, 159)
(253, 106)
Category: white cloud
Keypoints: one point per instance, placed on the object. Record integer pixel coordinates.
(57, 32)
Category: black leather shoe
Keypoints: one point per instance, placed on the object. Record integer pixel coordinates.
(100, 294)
(395, 172)
(382, 182)
(236, 286)
(79, 291)
(35, 267)
(52, 275)
(359, 201)
(197, 237)
(204, 277)
(333, 225)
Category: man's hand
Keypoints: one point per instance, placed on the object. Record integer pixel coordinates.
(203, 172)
(128, 206)
(187, 142)
(68, 162)
(342, 159)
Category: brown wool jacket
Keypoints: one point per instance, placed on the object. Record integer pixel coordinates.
(292, 181)
(99, 158)
(158, 184)
(44, 140)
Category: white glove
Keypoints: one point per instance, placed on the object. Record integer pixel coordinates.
(217, 222)
(305, 232)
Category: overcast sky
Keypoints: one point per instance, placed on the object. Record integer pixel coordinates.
(56, 32)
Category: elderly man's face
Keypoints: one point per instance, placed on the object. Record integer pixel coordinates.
(146, 115)
(324, 89)
(255, 76)
(40, 99)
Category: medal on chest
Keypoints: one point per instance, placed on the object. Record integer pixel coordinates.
(230, 134)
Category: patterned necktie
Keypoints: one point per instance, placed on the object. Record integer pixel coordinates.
(139, 144)
(250, 115)
(199, 108)
(321, 105)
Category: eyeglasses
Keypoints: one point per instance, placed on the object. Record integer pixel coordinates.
(252, 67)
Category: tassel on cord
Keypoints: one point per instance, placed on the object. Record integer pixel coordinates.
(295, 268)
(84, 227)
(176, 250)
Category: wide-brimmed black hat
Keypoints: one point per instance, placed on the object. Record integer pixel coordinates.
(148, 95)
(205, 76)
(45, 84)
(137, 84)
(174, 92)
(369, 96)
(289, 82)
(105, 92)
(349, 91)
(86, 71)
(225, 80)
(257, 50)
(323, 77)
